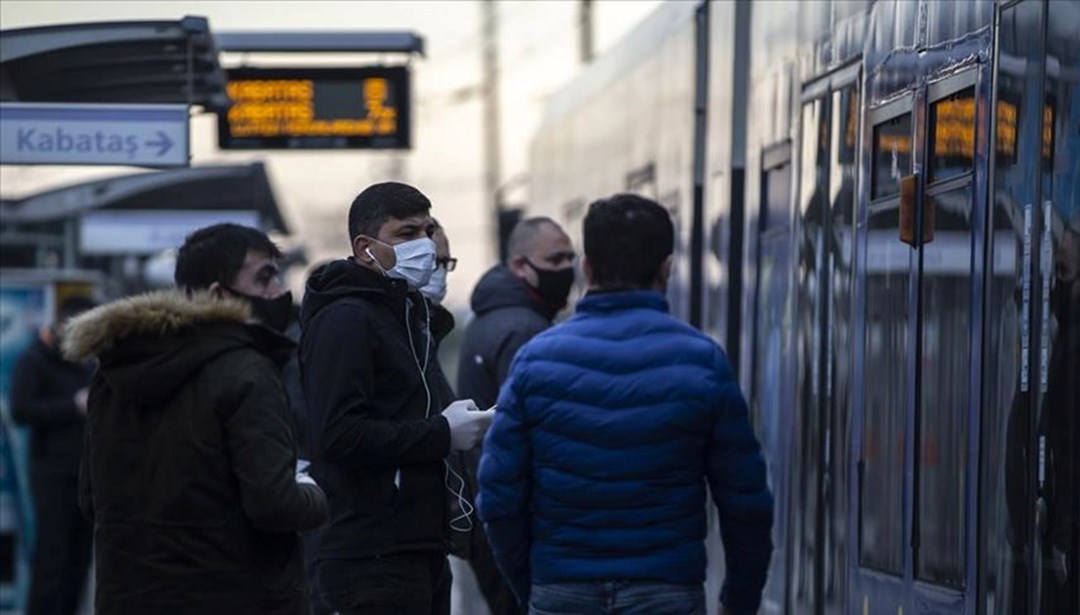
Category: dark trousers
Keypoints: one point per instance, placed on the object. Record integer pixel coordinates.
(401, 583)
(62, 547)
(310, 541)
(496, 591)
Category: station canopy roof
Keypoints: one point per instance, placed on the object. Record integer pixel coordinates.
(113, 62)
(231, 187)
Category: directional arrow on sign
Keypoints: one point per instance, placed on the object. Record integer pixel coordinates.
(163, 141)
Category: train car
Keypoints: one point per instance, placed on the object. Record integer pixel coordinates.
(878, 215)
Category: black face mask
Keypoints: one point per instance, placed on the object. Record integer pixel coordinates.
(274, 313)
(553, 286)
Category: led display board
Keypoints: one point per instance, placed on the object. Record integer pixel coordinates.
(317, 108)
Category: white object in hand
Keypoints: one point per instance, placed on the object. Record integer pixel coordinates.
(468, 424)
(304, 479)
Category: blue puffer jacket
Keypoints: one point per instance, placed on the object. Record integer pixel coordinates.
(595, 465)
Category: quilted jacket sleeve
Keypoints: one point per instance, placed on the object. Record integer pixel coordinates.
(504, 479)
(737, 479)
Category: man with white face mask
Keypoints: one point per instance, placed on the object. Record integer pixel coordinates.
(435, 289)
(381, 415)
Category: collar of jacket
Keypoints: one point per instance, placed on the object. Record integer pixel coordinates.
(157, 314)
(608, 301)
(442, 321)
(395, 293)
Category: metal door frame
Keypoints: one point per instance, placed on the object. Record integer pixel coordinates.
(906, 590)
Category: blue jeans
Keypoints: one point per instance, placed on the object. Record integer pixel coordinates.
(622, 597)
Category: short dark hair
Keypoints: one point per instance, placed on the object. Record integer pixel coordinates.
(379, 202)
(216, 254)
(627, 238)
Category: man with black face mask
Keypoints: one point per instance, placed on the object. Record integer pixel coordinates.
(189, 467)
(512, 302)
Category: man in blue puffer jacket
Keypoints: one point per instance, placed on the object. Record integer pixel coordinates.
(592, 481)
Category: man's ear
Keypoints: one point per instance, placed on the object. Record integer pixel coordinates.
(664, 274)
(360, 244)
(216, 290)
(517, 266)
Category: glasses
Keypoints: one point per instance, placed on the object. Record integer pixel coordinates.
(448, 263)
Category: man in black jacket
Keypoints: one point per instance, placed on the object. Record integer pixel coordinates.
(512, 303)
(48, 394)
(378, 428)
(189, 465)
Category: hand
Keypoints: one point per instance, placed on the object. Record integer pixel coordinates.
(468, 424)
(304, 479)
(82, 398)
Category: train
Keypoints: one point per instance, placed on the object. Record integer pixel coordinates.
(877, 213)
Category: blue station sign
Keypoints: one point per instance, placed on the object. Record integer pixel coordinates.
(94, 134)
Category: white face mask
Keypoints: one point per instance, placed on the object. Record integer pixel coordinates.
(415, 261)
(436, 287)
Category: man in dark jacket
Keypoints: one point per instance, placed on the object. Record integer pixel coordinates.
(592, 481)
(381, 421)
(48, 394)
(514, 302)
(189, 466)
(511, 303)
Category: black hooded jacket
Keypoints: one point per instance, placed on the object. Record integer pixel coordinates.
(507, 316)
(377, 437)
(189, 465)
(43, 388)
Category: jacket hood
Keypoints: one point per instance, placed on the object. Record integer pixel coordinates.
(151, 344)
(499, 288)
(345, 278)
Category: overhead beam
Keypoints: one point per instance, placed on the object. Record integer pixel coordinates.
(265, 41)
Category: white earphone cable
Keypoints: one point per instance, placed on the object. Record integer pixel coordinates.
(467, 508)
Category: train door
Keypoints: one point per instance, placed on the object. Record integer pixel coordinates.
(823, 245)
(918, 363)
(1029, 503)
(770, 409)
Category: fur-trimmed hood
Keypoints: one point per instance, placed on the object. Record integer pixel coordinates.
(149, 345)
(153, 314)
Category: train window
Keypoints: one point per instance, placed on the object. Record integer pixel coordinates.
(848, 126)
(949, 21)
(952, 136)
(892, 156)
(944, 390)
(776, 204)
(881, 475)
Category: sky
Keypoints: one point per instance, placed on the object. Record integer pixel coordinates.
(538, 53)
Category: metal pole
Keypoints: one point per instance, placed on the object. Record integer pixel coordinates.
(585, 27)
(492, 137)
